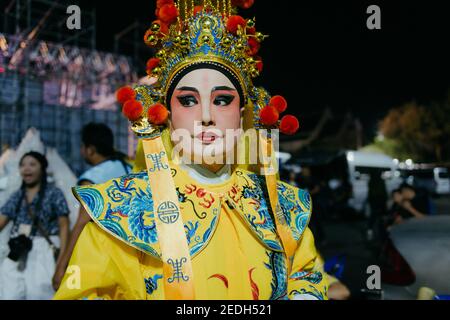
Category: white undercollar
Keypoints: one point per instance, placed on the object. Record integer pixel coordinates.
(203, 175)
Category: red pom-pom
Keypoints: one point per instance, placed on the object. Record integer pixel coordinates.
(234, 22)
(152, 63)
(161, 3)
(279, 103)
(269, 116)
(197, 9)
(158, 114)
(168, 13)
(132, 109)
(289, 125)
(259, 64)
(243, 4)
(253, 46)
(251, 31)
(124, 94)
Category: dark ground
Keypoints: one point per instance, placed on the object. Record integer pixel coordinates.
(348, 236)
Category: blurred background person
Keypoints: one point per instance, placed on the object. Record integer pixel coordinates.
(396, 213)
(292, 178)
(415, 204)
(97, 150)
(39, 213)
(307, 181)
(340, 190)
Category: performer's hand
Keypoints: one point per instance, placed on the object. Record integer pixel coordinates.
(338, 291)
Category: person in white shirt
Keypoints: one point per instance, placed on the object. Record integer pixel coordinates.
(97, 149)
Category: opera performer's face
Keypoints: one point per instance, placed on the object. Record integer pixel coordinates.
(205, 117)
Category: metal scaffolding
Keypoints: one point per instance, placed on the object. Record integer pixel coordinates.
(46, 20)
(55, 80)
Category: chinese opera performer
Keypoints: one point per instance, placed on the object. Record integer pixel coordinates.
(183, 228)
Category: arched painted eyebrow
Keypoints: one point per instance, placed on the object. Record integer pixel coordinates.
(225, 88)
(188, 89)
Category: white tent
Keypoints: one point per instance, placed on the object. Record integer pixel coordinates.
(63, 177)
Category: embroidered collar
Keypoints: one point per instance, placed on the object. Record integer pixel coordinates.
(123, 207)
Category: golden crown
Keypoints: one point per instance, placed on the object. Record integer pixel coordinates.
(207, 34)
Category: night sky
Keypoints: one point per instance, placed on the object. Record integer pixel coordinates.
(322, 54)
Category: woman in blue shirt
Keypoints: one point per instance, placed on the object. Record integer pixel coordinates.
(39, 214)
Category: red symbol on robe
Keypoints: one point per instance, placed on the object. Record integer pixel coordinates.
(220, 277)
(201, 193)
(234, 193)
(208, 202)
(255, 289)
(254, 286)
(190, 188)
(120, 213)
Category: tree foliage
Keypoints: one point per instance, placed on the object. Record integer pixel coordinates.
(419, 132)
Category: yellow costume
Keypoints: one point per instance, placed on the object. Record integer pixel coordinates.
(231, 235)
(162, 234)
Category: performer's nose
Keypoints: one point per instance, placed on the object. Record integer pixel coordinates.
(206, 115)
(209, 123)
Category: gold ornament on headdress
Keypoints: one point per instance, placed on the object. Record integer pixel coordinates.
(204, 34)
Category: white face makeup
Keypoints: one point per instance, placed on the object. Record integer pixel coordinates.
(205, 116)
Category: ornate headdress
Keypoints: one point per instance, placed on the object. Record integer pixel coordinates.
(191, 34)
